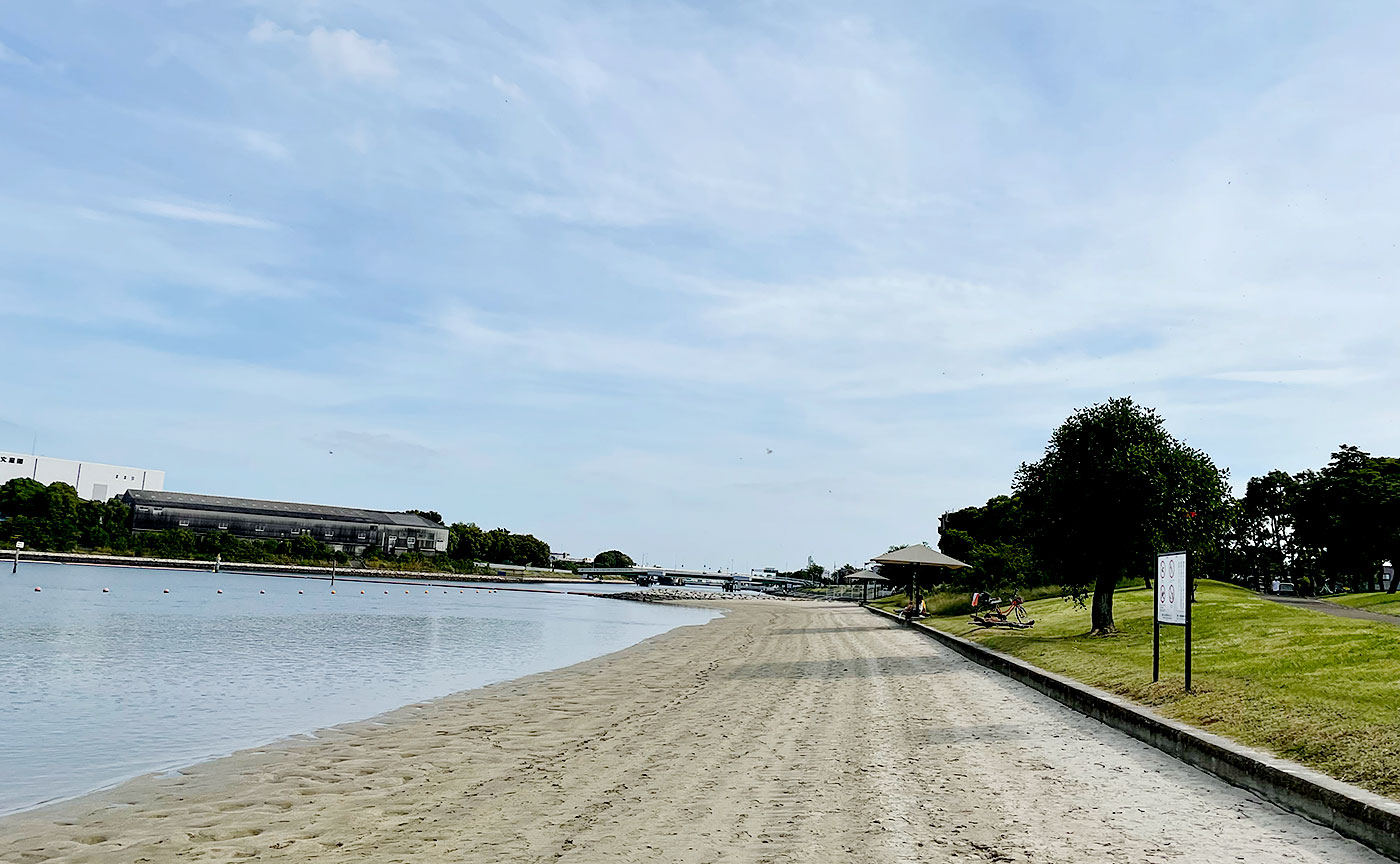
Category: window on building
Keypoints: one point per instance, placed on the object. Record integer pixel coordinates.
(21, 460)
(258, 528)
(223, 526)
(329, 533)
(184, 523)
(361, 535)
(428, 543)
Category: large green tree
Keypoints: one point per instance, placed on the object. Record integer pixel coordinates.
(613, 558)
(1113, 489)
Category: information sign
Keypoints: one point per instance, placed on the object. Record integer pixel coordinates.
(1172, 593)
(1171, 604)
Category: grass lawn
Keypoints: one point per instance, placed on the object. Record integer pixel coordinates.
(1315, 688)
(1378, 601)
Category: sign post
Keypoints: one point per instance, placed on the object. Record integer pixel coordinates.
(1171, 604)
(19, 544)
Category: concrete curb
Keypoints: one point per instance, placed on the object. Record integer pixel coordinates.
(1363, 816)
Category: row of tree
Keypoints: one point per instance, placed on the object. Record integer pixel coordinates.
(1114, 488)
(53, 518)
(1326, 529)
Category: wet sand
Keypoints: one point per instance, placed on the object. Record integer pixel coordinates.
(783, 732)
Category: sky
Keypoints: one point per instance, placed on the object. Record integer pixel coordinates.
(717, 284)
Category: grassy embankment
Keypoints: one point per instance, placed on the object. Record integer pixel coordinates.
(1378, 601)
(1312, 687)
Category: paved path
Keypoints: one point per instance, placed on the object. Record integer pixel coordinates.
(787, 732)
(1330, 608)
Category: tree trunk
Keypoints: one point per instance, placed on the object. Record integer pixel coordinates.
(1101, 609)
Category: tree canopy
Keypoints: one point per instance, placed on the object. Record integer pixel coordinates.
(613, 558)
(1113, 489)
(469, 543)
(1324, 529)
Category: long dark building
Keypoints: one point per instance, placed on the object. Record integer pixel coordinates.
(342, 528)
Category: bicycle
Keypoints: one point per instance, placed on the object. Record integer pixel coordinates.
(1014, 615)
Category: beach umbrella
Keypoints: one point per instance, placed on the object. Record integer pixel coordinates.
(865, 577)
(918, 558)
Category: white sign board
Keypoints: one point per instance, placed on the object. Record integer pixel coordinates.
(1171, 588)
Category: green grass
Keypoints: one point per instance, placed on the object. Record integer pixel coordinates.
(1378, 601)
(1315, 688)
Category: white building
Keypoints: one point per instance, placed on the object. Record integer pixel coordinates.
(95, 481)
(565, 557)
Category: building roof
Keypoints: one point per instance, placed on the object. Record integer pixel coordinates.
(921, 555)
(252, 506)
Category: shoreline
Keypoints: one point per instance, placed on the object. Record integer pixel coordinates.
(348, 574)
(781, 732)
(311, 736)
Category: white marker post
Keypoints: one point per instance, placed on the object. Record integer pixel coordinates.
(19, 544)
(1171, 604)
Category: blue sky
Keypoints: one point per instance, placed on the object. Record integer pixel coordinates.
(576, 268)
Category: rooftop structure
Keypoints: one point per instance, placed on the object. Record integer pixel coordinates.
(347, 529)
(95, 481)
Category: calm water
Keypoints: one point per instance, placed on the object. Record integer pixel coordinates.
(96, 688)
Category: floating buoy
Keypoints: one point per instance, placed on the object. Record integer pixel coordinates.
(425, 590)
(332, 592)
(405, 591)
(362, 592)
(106, 590)
(220, 591)
(166, 591)
(301, 592)
(459, 591)
(386, 592)
(262, 592)
(37, 588)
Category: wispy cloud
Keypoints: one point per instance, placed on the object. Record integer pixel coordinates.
(202, 213)
(338, 53)
(345, 53)
(9, 55)
(618, 249)
(264, 144)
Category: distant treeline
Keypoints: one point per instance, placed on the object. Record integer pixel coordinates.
(53, 518)
(1114, 489)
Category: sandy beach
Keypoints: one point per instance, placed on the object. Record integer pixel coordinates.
(784, 732)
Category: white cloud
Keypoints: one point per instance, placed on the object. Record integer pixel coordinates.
(507, 89)
(265, 31)
(202, 213)
(347, 54)
(338, 53)
(264, 144)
